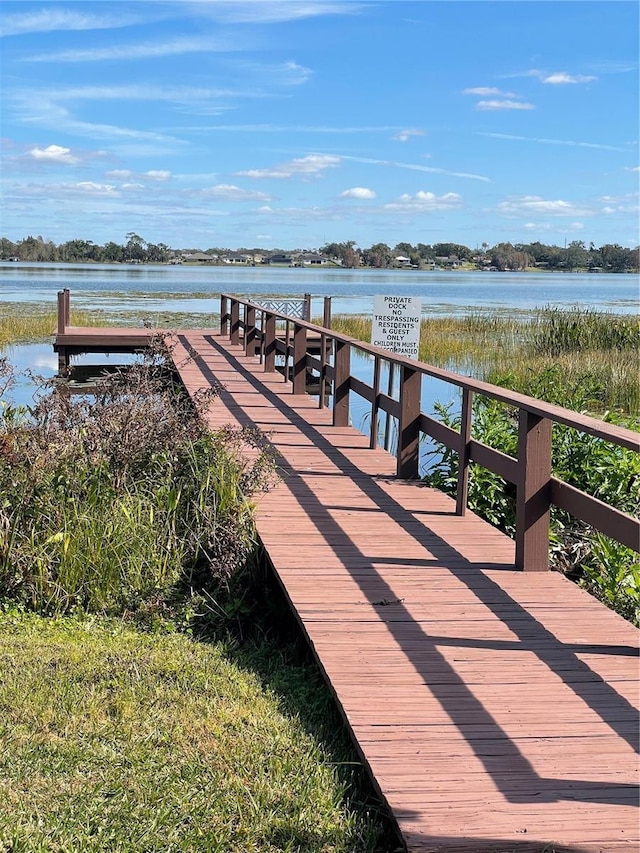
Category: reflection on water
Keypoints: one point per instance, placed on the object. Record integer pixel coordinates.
(37, 364)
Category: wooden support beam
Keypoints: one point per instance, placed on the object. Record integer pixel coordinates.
(235, 322)
(61, 313)
(299, 359)
(250, 335)
(269, 332)
(341, 384)
(224, 316)
(409, 423)
(464, 452)
(533, 492)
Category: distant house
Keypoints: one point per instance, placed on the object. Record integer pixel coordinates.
(402, 261)
(199, 258)
(311, 259)
(280, 258)
(237, 259)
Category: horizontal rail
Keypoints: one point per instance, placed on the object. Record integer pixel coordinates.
(530, 471)
(585, 423)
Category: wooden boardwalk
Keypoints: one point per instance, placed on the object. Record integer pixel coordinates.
(495, 710)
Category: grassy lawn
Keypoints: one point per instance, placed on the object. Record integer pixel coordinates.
(112, 739)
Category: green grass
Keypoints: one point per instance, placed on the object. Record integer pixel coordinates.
(111, 739)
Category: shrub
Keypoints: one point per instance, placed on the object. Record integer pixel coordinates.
(113, 500)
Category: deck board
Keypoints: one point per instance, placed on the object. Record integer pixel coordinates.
(494, 710)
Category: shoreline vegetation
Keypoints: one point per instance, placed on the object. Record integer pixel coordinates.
(129, 573)
(574, 257)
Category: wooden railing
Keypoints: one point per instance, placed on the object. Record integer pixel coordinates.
(254, 327)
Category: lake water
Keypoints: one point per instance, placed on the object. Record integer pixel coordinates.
(149, 288)
(146, 290)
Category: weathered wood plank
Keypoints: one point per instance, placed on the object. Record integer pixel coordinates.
(495, 710)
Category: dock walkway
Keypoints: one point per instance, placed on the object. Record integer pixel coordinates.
(496, 710)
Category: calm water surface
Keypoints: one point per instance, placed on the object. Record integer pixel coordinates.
(196, 289)
(144, 290)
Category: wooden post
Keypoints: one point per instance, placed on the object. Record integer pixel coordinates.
(409, 425)
(322, 390)
(375, 405)
(326, 314)
(299, 359)
(342, 367)
(533, 492)
(391, 381)
(326, 345)
(250, 336)
(67, 307)
(62, 312)
(464, 452)
(235, 321)
(287, 333)
(269, 334)
(224, 316)
(306, 311)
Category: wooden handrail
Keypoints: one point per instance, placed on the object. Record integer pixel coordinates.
(585, 423)
(536, 489)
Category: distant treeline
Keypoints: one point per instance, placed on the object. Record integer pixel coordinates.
(503, 256)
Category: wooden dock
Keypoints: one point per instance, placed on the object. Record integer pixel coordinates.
(496, 710)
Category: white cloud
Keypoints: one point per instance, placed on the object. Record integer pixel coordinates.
(424, 201)
(119, 174)
(405, 135)
(233, 193)
(52, 191)
(486, 91)
(537, 226)
(91, 188)
(158, 175)
(416, 168)
(632, 168)
(577, 143)
(274, 11)
(296, 74)
(555, 77)
(536, 205)
(504, 105)
(309, 166)
(55, 154)
(358, 192)
(627, 203)
(278, 128)
(51, 20)
(561, 78)
(149, 50)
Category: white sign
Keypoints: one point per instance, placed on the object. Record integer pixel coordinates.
(396, 324)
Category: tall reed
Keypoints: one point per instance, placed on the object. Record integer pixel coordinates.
(108, 501)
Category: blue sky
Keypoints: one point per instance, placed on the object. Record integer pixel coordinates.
(293, 124)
